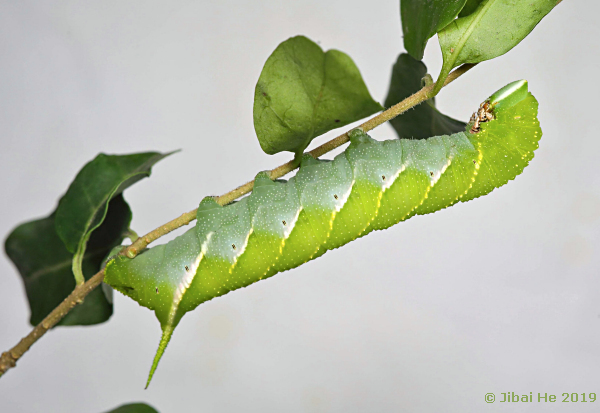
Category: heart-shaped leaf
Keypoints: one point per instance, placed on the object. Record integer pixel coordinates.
(424, 120)
(422, 19)
(45, 265)
(83, 208)
(303, 92)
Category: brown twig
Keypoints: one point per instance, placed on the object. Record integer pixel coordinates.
(9, 358)
(411, 101)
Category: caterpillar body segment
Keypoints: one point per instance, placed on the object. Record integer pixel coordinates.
(372, 185)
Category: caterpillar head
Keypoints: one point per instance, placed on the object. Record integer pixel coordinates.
(506, 97)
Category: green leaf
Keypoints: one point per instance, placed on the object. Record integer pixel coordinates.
(134, 408)
(303, 92)
(45, 265)
(84, 206)
(424, 120)
(495, 27)
(421, 19)
(470, 7)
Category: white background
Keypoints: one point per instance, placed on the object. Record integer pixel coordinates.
(499, 294)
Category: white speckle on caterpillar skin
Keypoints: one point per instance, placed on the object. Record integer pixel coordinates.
(344, 198)
(186, 281)
(291, 225)
(393, 178)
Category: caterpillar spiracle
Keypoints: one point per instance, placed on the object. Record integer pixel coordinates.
(371, 186)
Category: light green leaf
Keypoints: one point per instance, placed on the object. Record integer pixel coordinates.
(303, 92)
(134, 408)
(421, 19)
(495, 27)
(424, 120)
(83, 208)
(45, 265)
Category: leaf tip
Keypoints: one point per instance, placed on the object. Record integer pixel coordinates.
(172, 152)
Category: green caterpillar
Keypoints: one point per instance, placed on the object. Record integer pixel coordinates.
(370, 186)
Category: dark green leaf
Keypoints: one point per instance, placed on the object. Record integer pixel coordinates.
(421, 19)
(45, 265)
(495, 27)
(470, 7)
(424, 120)
(84, 206)
(303, 92)
(134, 408)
